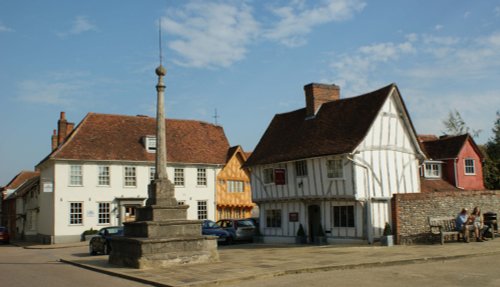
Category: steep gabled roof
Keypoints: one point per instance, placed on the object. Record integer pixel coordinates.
(27, 186)
(338, 127)
(447, 147)
(20, 178)
(107, 137)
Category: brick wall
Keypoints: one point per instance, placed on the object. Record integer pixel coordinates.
(410, 211)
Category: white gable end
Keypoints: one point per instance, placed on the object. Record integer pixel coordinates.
(388, 154)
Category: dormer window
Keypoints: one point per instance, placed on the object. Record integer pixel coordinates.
(433, 170)
(150, 143)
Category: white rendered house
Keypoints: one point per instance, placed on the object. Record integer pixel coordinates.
(99, 172)
(334, 164)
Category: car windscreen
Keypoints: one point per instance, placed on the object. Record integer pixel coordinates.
(210, 224)
(114, 231)
(245, 223)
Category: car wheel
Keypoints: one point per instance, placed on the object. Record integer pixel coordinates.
(91, 250)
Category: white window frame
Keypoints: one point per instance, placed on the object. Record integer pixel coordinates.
(103, 213)
(268, 175)
(301, 168)
(129, 178)
(150, 144)
(76, 213)
(202, 209)
(335, 168)
(76, 175)
(235, 186)
(432, 170)
(179, 179)
(469, 169)
(201, 177)
(103, 175)
(274, 218)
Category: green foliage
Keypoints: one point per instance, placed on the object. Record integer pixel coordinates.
(387, 229)
(455, 125)
(90, 232)
(491, 168)
(301, 232)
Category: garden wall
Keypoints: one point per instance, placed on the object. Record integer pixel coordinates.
(410, 212)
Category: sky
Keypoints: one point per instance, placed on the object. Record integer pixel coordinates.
(244, 60)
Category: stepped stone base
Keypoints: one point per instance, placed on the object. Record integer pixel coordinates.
(162, 236)
(160, 252)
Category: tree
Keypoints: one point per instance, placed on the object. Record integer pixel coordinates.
(455, 125)
(491, 168)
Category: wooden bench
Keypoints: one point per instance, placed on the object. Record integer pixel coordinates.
(444, 226)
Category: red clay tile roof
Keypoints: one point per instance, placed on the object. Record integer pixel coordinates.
(444, 148)
(20, 178)
(119, 137)
(432, 185)
(338, 127)
(28, 185)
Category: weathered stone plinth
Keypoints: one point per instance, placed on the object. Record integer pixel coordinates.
(163, 252)
(162, 236)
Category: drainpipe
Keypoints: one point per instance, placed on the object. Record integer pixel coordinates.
(455, 171)
(369, 198)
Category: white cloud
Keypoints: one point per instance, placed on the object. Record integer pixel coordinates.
(467, 14)
(497, 11)
(297, 20)
(57, 93)
(4, 28)
(438, 27)
(81, 24)
(210, 34)
(438, 74)
(354, 70)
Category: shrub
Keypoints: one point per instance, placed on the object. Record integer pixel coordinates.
(387, 229)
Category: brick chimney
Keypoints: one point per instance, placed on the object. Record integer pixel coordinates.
(54, 140)
(318, 94)
(64, 128)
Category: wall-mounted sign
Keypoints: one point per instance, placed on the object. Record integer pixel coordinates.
(279, 176)
(48, 186)
(90, 213)
(293, 217)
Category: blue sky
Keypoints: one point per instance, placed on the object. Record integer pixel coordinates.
(247, 59)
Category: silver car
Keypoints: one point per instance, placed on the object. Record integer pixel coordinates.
(239, 229)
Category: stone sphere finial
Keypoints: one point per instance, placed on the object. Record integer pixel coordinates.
(161, 71)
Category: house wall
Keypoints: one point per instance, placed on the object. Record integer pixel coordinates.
(234, 201)
(469, 182)
(386, 163)
(288, 230)
(55, 207)
(315, 185)
(45, 218)
(448, 171)
(411, 211)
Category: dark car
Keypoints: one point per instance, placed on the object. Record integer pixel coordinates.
(4, 235)
(211, 228)
(100, 242)
(239, 229)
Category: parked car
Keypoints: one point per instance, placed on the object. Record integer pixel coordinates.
(211, 228)
(100, 242)
(239, 229)
(4, 235)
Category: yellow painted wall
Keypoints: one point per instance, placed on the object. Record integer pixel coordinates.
(234, 200)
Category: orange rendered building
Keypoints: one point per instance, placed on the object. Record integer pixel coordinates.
(234, 196)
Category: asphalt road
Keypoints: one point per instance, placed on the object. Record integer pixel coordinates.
(40, 267)
(470, 271)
